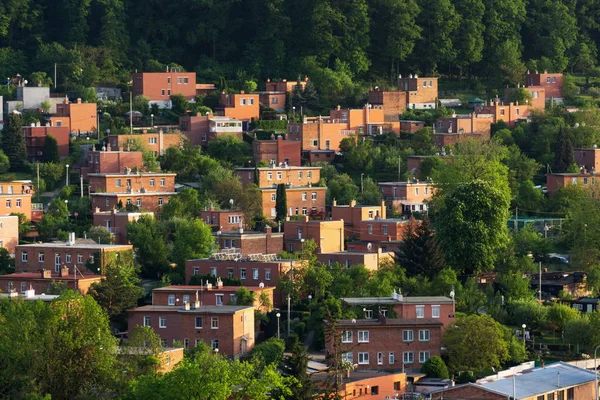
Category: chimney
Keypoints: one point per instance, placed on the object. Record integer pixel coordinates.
(306, 218)
(334, 203)
(268, 230)
(352, 203)
(97, 209)
(219, 283)
(78, 100)
(45, 273)
(209, 286)
(338, 108)
(64, 271)
(242, 92)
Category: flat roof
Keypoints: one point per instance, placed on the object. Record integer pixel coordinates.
(42, 297)
(118, 174)
(276, 168)
(391, 300)
(390, 322)
(134, 194)
(541, 380)
(249, 233)
(185, 288)
(203, 309)
(404, 183)
(38, 275)
(76, 245)
(222, 118)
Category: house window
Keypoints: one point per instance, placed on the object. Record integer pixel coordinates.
(420, 311)
(152, 182)
(204, 137)
(368, 313)
(314, 143)
(230, 272)
(219, 300)
(279, 176)
(314, 195)
(23, 287)
(251, 101)
(370, 229)
(304, 211)
(198, 324)
(571, 394)
(273, 197)
(162, 322)
(68, 259)
(79, 258)
(380, 358)
(128, 201)
(304, 196)
(408, 357)
(139, 202)
(118, 183)
(186, 343)
(502, 112)
(363, 358)
(168, 80)
(424, 335)
(215, 344)
(363, 336)
(214, 323)
(392, 358)
(243, 273)
(186, 298)
(41, 257)
(384, 229)
(107, 202)
(407, 336)
(186, 80)
(268, 274)
(299, 174)
(24, 256)
(255, 273)
(171, 300)
(18, 203)
(152, 140)
(162, 182)
(196, 271)
(347, 357)
(162, 92)
(8, 203)
(160, 201)
(163, 342)
(147, 321)
(169, 92)
(179, 80)
(269, 176)
(517, 111)
(435, 311)
(423, 356)
(309, 174)
(58, 123)
(347, 337)
(274, 100)
(243, 102)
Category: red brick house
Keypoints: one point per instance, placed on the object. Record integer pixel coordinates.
(111, 162)
(510, 113)
(589, 159)
(227, 329)
(583, 178)
(77, 117)
(551, 84)
(449, 131)
(116, 222)
(15, 197)
(277, 151)
(158, 86)
(42, 280)
(327, 235)
(243, 106)
(35, 138)
(353, 214)
(209, 295)
(202, 129)
(407, 197)
(223, 220)
(9, 232)
(157, 142)
(245, 243)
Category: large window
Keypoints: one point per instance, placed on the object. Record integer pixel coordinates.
(347, 357)
(162, 322)
(347, 337)
(363, 358)
(420, 311)
(424, 335)
(198, 323)
(435, 311)
(408, 336)
(171, 300)
(408, 357)
(423, 356)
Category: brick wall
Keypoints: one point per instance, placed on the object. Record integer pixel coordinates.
(299, 200)
(328, 235)
(119, 183)
(152, 202)
(9, 231)
(282, 151)
(157, 86)
(588, 158)
(267, 177)
(156, 142)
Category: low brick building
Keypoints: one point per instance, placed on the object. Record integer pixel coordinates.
(106, 161)
(201, 129)
(277, 151)
(244, 242)
(584, 179)
(9, 232)
(35, 138)
(157, 142)
(210, 295)
(327, 235)
(227, 329)
(243, 106)
(370, 260)
(551, 84)
(158, 86)
(421, 93)
(43, 280)
(352, 214)
(365, 383)
(88, 256)
(589, 159)
(407, 197)
(451, 130)
(78, 117)
(15, 197)
(409, 126)
(223, 220)
(511, 113)
(116, 222)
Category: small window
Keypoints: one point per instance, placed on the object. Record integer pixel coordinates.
(420, 311)
(243, 102)
(41, 257)
(314, 143)
(347, 357)
(162, 182)
(219, 299)
(314, 195)
(24, 256)
(502, 112)
(255, 274)
(363, 336)
(196, 271)
(152, 140)
(273, 197)
(162, 92)
(424, 335)
(347, 337)
(23, 287)
(251, 101)
(363, 358)
(408, 357)
(152, 182)
(168, 80)
(160, 201)
(147, 321)
(517, 111)
(242, 273)
(370, 229)
(8, 203)
(214, 323)
(392, 358)
(215, 344)
(198, 324)
(171, 300)
(18, 203)
(79, 258)
(407, 336)
(162, 322)
(139, 202)
(169, 92)
(68, 259)
(268, 274)
(186, 80)
(384, 229)
(435, 311)
(230, 272)
(379, 359)
(423, 356)
(179, 81)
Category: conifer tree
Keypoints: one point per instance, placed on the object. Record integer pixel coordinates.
(563, 153)
(280, 203)
(13, 142)
(50, 151)
(420, 252)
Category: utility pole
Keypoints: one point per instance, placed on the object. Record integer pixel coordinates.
(81, 185)
(54, 76)
(540, 283)
(131, 111)
(399, 167)
(289, 316)
(516, 219)
(38, 181)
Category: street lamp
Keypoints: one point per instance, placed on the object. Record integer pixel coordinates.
(278, 315)
(294, 111)
(151, 120)
(523, 326)
(67, 178)
(361, 182)
(596, 369)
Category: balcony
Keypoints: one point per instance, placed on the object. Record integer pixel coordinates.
(226, 129)
(37, 206)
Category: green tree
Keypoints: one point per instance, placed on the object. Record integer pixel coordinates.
(185, 204)
(297, 367)
(528, 312)
(559, 315)
(244, 297)
(13, 143)
(50, 150)
(101, 235)
(420, 253)
(140, 103)
(281, 210)
(474, 343)
(191, 239)
(6, 262)
(435, 367)
(119, 290)
(469, 41)
(179, 105)
(24, 224)
(142, 351)
(4, 162)
(342, 189)
(270, 351)
(442, 21)
(471, 226)
(230, 148)
(149, 243)
(563, 153)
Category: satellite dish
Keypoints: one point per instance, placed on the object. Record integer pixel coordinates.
(261, 285)
(369, 246)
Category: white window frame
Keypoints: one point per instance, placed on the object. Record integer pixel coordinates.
(314, 196)
(214, 323)
(348, 357)
(408, 335)
(424, 335)
(162, 322)
(435, 314)
(24, 256)
(347, 336)
(268, 274)
(147, 321)
(242, 273)
(255, 273)
(379, 358)
(67, 258)
(408, 357)
(363, 358)
(171, 300)
(424, 356)
(420, 311)
(363, 336)
(392, 358)
(196, 320)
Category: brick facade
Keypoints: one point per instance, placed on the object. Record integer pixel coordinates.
(243, 106)
(587, 158)
(421, 93)
(585, 179)
(147, 202)
(274, 175)
(449, 131)
(249, 242)
(352, 214)
(43, 280)
(158, 86)
(35, 138)
(327, 235)
(116, 222)
(157, 142)
(79, 117)
(407, 197)
(370, 261)
(9, 232)
(111, 162)
(15, 197)
(230, 329)
(223, 220)
(551, 83)
(510, 113)
(277, 151)
(142, 182)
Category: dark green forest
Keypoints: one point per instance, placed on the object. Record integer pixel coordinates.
(337, 41)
